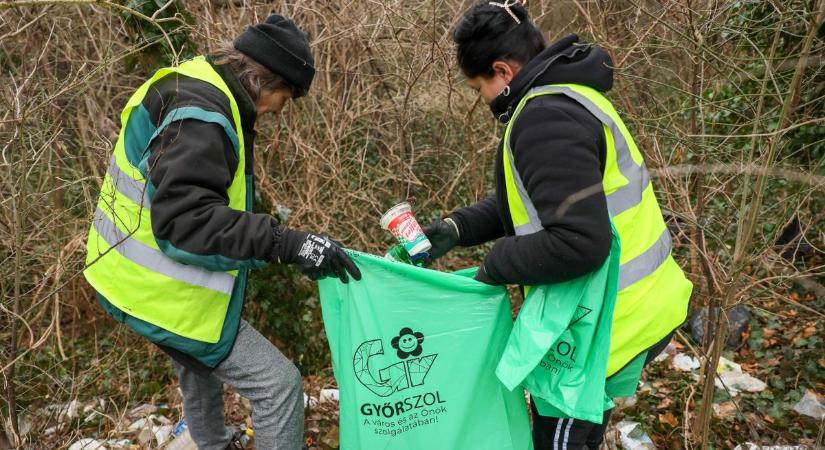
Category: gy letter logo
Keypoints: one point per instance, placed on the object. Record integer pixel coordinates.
(398, 376)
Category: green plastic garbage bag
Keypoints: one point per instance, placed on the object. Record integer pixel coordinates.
(560, 342)
(414, 352)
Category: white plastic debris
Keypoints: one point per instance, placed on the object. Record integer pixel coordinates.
(65, 411)
(87, 444)
(328, 395)
(309, 401)
(735, 380)
(726, 365)
(25, 424)
(119, 444)
(142, 410)
(661, 357)
(160, 419)
(145, 436)
(626, 402)
(685, 363)
(163, 433)
(93, 410)
(666, 353)
(182, 442)
(139, 424)
(752, 446)
(633, 437)
(811, 404)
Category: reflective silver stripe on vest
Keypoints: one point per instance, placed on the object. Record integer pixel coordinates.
(156, 261)
(533, 224)
(619, 201)
(646, 263)
(637, 176)
(133, 189)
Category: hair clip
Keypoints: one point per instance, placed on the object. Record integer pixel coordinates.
(506, 6)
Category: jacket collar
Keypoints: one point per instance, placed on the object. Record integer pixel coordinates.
(246, 107)
(566, 61)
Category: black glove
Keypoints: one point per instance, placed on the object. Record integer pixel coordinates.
(317, 256)
(482, 276)
(443, 234)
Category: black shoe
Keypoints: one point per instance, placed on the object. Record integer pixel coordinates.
(237, 442)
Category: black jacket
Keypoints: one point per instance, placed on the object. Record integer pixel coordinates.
(190, 166)
(559, 150)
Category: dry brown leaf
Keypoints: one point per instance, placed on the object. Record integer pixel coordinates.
(331, 438)
(669, 419)
(725, 410)
(809, 331)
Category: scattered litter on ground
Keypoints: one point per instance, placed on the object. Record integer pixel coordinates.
(119, 444)
(87, 444)
(685, 363)
(726, 365)
(163, 433)
(736, 381)
(328, 395)
(138, 424)
(65, 411)
(633, 437)
(181, 440)
(626, 402)
(739, 318)
(811, 405)
(142, 410)
(669, 351)
(309, 401)
(752, 446)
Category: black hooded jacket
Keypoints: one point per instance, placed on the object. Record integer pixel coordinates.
(559, 150)
(191, 166)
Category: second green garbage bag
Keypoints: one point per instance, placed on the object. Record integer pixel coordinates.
(414, 352)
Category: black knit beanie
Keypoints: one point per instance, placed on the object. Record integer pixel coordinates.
(281, 47)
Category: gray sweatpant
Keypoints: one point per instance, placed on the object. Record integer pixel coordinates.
(262, 374)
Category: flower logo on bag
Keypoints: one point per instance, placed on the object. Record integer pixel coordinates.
(408, 343)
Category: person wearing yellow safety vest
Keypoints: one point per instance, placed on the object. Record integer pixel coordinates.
(174, 236)
(565, 167)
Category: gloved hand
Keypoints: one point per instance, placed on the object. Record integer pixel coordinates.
(482, 276)
(316, 256)
(443, 234)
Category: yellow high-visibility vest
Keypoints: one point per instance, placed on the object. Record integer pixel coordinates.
(126, 265)
(653, 291)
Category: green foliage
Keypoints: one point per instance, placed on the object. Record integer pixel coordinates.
(170, 29)
(283, 305)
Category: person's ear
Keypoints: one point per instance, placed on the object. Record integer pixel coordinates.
(506, 71)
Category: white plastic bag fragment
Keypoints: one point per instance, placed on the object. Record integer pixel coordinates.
(309, 402)
(328, 396)
(685, 363)
(811, 405)
(752, 446)
(87, 444)
(633, 437)
(735, 380)
(163, 433)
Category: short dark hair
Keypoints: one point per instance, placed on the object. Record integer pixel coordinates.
(488, 33)
(253, 76)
